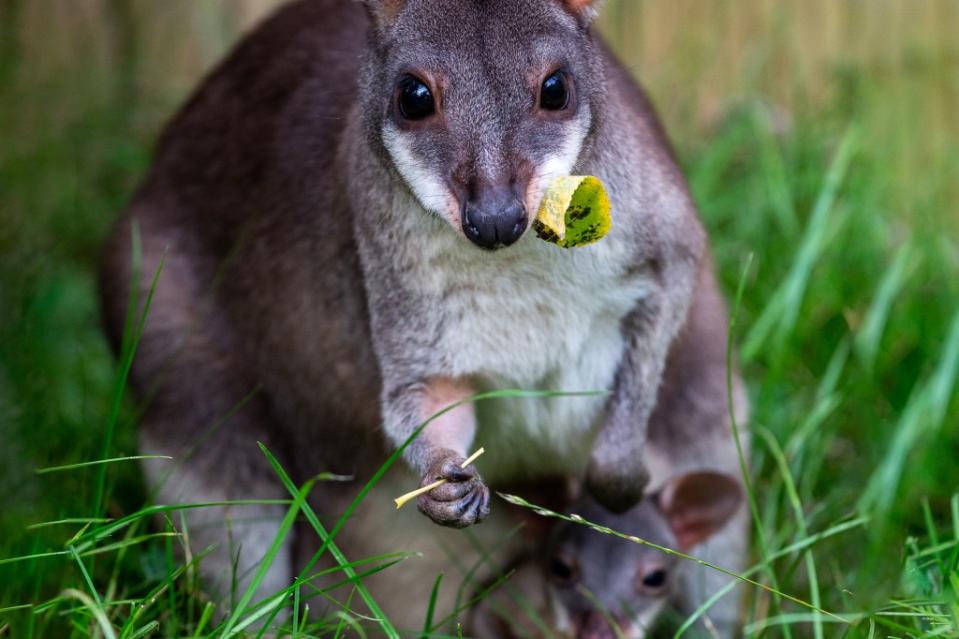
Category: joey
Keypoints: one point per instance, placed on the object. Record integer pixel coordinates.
(595, 578)
(585, 581)
(342, 209)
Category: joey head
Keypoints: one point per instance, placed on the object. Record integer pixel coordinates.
(586, 580)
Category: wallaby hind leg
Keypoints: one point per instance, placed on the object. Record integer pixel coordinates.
(236, 536)
(201, 408)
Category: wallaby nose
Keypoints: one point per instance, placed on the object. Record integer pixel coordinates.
(593, 625)
(494, 218)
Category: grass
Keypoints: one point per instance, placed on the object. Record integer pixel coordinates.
(840, 227)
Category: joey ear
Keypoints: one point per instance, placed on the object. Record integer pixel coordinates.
(383, 13)
(698, 504)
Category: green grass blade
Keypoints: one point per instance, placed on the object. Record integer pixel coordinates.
(353, 580)
(153, 597)
(86, 521)
(286, 525)
(148, 629)
(311, 517)
(811, 572)
(924, 415)
(126, 543)
(95, 609)
(86, 577)
(126, 364)
(56, 469)
(205, 617)
(15, 608)
(295, 626)
(341, 626)
(484, 559)
(34, 556)
(347, 620)
(431, 607)
(895, 278)
(91, 537)
(271, 607)
(480, 596)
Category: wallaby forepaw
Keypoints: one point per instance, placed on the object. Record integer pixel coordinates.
(618, 487)
(462, 501)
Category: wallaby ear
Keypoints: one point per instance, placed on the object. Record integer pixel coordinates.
(585, 10)
(698, 504)
(383, 12)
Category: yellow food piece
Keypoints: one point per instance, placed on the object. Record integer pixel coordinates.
(574, 212)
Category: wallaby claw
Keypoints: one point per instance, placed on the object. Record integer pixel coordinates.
(462, 501)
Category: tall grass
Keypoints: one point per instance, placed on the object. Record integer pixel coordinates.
(835, 170)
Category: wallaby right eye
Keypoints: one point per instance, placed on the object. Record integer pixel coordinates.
(414, 99)
(563, 571)
(652, 582)
(554, 94)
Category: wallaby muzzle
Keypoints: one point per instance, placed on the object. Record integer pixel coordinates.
(594, 625)
(494, 217)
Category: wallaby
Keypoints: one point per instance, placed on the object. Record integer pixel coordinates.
(585, 581)
(342, 212)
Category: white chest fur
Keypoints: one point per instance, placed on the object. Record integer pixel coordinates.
(532, 317)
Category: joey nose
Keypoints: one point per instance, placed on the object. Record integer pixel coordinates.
(494, 218)
(593, 625)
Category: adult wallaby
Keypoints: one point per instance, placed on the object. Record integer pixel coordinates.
(342, 211)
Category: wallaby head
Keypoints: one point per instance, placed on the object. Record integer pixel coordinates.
(595, 578)
(477, 105)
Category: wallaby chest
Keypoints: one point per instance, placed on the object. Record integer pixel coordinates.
(533, 317)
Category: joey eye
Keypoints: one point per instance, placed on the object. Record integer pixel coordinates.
(414, 99)
(554, 94)
(655, 579)
(563, 571)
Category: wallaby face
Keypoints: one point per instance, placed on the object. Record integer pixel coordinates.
(595, 577)
(478, 105)
(592, 576)
(582, 579)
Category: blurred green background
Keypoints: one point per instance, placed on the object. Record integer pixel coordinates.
(820, 137)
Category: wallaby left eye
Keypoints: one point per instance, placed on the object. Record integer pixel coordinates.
(414, 98)
(651, 583)
(655, 579)
(554, 94)
(563, 570)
